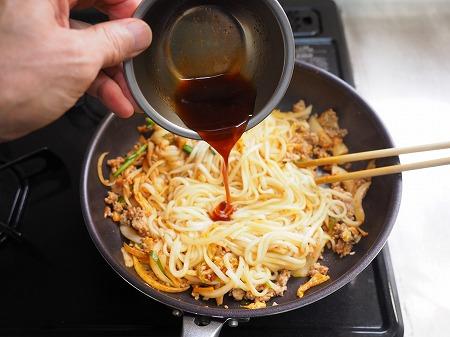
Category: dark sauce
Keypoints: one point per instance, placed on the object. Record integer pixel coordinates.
(218, 108)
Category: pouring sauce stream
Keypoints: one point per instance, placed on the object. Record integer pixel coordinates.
(218, 108)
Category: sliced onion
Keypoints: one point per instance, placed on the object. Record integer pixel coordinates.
(127, 259)
(146, 274)
(349, 185)
(130, 234)
(136, 252)
(219, 300)
(340, 149)
(317, 128)
(358, 199)
(217, 292)
(100, 170)
(158, 272)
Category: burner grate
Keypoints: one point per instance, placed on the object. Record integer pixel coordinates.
(16, 177)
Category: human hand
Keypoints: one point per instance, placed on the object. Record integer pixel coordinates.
(48, 62)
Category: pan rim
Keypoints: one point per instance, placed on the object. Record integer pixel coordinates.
(219, 312)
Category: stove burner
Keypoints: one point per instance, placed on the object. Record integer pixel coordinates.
(18, 174)
(8, 230)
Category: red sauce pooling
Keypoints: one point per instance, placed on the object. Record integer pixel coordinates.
(222, 212)
(218, 108)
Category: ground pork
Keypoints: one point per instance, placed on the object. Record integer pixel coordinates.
(107, 212)
(115, 163)
(139, 221)
(347, 201)
(270, 293)
(124, 220)
(118, 207)
(303, 142)
(345, 237)
(280, 288)
(318, 268)
(238, 294)
(111, 198)
(205, 273)
(283, 278)
(329, 122)
(309, 144)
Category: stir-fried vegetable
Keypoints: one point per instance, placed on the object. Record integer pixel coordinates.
(358, 199)
(146, 274)
(315, 280)
(157, 268)
(127, 258)
(149, 123)
(135, 252)
(187, 148)
(202, 290)
(130, 160)
(100, 171)
(256, 305)
(155, 258)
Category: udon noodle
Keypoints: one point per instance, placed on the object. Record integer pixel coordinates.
(163, 192)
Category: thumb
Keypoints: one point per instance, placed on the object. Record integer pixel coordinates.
(115, 41)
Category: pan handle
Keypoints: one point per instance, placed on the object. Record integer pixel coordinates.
(194, 326)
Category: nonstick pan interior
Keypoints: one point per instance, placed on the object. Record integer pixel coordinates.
(316, 87)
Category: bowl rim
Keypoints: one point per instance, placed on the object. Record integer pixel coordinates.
(277, 96)
(220, 312)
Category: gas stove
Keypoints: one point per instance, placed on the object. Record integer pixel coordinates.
(54, 281)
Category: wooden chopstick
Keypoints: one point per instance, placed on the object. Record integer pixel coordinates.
(382, 171)
(347, 158)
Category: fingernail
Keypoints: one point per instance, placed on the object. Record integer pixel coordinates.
(141, 33)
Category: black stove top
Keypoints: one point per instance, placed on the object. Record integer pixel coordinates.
(53, 281)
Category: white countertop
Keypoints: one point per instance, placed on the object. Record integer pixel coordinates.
(400, 53)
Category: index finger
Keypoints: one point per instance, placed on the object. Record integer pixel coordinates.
(115, 9)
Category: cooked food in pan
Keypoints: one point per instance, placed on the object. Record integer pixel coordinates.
(163, 191)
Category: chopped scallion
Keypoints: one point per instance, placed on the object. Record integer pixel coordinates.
(130, 160)
(187, 148)
(149, 123)
(155, 258)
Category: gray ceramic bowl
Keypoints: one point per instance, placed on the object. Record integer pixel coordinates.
(256, 30)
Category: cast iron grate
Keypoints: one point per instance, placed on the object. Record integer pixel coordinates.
(16, 176)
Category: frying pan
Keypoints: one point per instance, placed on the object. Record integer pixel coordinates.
(366, 132)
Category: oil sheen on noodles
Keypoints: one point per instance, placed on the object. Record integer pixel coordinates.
(278, 225)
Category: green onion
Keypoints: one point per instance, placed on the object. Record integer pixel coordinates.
(155, 258)
(149, 123)
(130, 160)
(121, 199)
(187, 148)
(212, 151)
